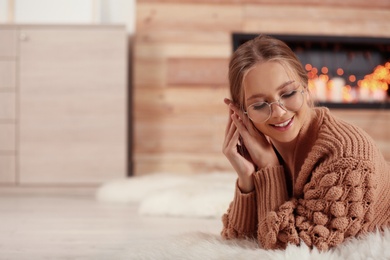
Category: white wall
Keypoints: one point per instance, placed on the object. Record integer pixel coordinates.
(49, 11)
(3, 11)
(69, 12)
(117, 11)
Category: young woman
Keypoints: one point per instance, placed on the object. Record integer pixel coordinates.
(302, 174)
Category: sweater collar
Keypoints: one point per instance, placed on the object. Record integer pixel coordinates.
(305, 141)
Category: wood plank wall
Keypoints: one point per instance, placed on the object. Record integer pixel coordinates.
(180, 59)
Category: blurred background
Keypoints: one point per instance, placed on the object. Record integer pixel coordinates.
(92, 90)
(95, 91)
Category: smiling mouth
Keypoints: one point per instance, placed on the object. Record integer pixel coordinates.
(284, 124)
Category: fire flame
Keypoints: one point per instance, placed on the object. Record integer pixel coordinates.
(379, 79)
(372, 84)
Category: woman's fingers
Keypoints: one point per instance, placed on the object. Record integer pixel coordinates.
(231, 128)
(234, 140)
(228, 125)
(231, 141)
(244, 119)
(236, 115)
(250, 134)
(240, 125)
(236, 109)
(229, 122)
(241, 131)
(227, 101)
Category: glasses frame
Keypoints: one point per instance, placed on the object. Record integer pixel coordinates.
(280, 104)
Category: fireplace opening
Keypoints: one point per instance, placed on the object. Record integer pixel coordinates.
(343, 71)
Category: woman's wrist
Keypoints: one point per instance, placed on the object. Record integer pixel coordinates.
(245, 184)
(270, 162)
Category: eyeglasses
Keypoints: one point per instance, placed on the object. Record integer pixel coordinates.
(261, 111)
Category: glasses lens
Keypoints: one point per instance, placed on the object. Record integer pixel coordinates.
(291, 101)
(259, 112)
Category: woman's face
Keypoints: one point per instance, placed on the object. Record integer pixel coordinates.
(266, 82)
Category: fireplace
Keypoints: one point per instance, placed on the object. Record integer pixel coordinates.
(344, 72)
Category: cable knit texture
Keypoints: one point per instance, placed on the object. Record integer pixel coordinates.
(340, 190)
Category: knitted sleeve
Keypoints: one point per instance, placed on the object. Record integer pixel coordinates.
(335, 205)
(241, 219)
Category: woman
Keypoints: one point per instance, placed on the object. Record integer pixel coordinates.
(302, 174)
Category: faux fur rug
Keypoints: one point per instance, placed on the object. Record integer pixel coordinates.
(200, 195)
(205, 246)
(208, 196)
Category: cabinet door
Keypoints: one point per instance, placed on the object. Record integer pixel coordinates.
(8, 46)
(72, 105)
(7, 137)
(7, 168)
(7, 74)
(8, 127)
(7, 106)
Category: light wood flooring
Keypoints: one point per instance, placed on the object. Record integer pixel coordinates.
(68, 223)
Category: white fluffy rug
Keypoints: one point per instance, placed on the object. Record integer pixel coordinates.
(208, 195)
(201, 195)
(205, 246)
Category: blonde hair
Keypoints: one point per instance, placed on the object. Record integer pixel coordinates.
(261, 49)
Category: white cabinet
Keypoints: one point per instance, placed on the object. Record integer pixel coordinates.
(68, 109)
(8, 122)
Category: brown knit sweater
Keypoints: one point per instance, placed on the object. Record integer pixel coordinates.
(340, 188)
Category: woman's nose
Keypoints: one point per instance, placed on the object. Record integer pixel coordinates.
(277, 109)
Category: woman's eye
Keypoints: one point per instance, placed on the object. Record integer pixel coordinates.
(289, 94)
(259, 106)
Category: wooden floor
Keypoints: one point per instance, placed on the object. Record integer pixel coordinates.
(68, 223)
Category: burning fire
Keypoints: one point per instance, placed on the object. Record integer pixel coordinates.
(373, 86)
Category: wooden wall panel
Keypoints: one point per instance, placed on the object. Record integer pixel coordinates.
(167, 162)
(181, 54)
(181, 134)
(149, 72)
(171, 120)
(197, 72)
(182, 50)
(176, 35)
(316, 20)
(208, 17)
(346, 3)
(176, 101)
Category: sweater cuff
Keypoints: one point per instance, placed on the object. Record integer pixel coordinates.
(271, 189)
(243, 212)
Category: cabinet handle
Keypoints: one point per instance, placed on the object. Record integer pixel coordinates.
(23, 37)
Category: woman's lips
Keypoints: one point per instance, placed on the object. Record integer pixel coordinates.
(284, 125)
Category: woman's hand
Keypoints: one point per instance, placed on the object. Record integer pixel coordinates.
(258, 152)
